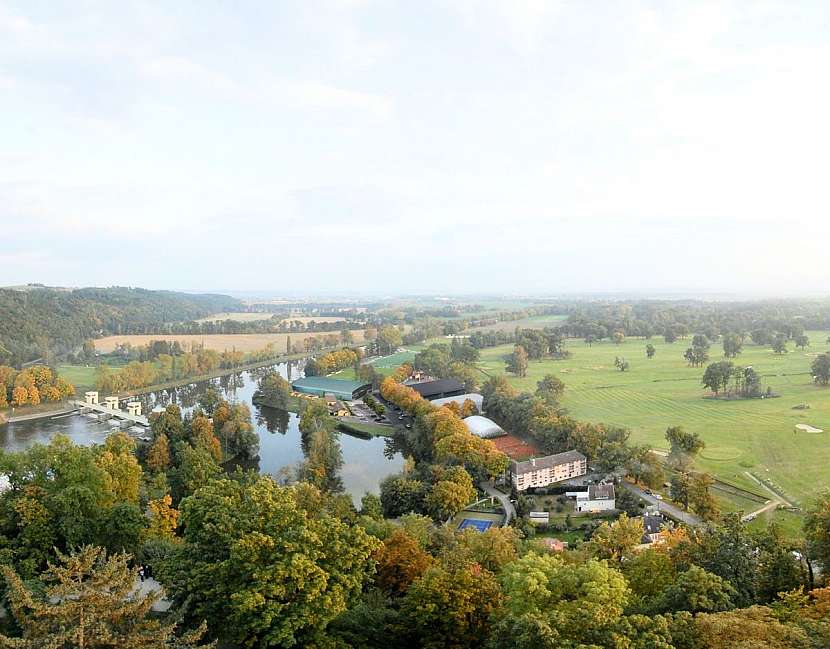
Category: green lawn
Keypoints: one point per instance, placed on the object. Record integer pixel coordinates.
(749, 435)
(375, 430)
(81, 376)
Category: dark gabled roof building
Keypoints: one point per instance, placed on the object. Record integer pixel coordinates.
(438, 389)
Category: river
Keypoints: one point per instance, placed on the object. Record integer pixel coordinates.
(365, 461)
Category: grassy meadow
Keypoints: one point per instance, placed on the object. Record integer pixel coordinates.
(756, 436)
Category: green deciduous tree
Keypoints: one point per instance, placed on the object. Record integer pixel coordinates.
(450, 606)
(820, 369)
(517, 361)
(553, 604)
(260, 569)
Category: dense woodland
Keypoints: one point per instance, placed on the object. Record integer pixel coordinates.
(45, 323)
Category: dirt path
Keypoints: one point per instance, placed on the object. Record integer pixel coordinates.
(774, 502)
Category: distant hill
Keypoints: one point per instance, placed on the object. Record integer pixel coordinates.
(36, 320)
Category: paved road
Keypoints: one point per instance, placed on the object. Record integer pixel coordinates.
(665, 508)
(504, 499)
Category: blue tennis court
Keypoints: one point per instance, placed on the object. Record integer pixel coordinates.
(477, 523)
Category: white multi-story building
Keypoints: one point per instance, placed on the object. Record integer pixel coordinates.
(542, 471)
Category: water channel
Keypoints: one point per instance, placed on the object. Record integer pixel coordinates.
(365, 461)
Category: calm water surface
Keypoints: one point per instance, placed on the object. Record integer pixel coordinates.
(365, 462)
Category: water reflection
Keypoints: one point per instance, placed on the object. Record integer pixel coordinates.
(365, 461)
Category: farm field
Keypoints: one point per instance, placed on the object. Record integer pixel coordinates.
(219, 342)
(237, 317)
(756, 436)
(534, 322)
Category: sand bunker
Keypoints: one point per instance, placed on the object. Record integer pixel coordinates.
(807, 428)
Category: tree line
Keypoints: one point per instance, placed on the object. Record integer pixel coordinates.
(32, 386)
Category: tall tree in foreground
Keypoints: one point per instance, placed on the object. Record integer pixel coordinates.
(261, 569)
(89, 603)
(549, 603)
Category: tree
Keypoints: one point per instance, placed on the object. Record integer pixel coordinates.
(451, 494)
(817, 529)
(400, 561)
(696, 591)
(802, 341)
(451, 606)
(273, 391)
(89, 602)
(698, 353)
(648, 573)
(732, 344)
(551, 388)
(680, 490)
(729, 551)
(756, 626)
(401, 495)
(684, 445)
(321, 447)
(390, 337)
(517, 361)
(260, 569)
(821, 369)
(233, 427)
(195, 469)
(122, 473)
(492, 549)
(615, 541)
(717, 376)
(644, 466)
(700, 496)
(158, 457)
(618, 337)
(670, 335)
(779, 344)
(621, 364)
(163, 518)
(566, 605)
(650, 351)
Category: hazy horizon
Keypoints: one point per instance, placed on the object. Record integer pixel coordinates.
(439, 148)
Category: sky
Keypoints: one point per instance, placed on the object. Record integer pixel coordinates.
(446, 146)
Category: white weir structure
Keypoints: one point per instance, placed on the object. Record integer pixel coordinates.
(111, 410)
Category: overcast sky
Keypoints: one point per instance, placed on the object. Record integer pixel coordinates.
(447, 146)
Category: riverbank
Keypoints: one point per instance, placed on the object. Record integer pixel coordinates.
(51, 409)
(212, 375)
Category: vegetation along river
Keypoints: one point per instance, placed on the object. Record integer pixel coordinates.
(365, 461)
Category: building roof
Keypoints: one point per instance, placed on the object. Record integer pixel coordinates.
(441, 386)
(483, 427)
(528, 466)
(460, 399)
(601, 492)
(327, 384)
(652, 524)
(554, 545)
